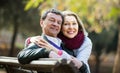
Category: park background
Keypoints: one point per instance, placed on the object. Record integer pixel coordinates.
(19, 19)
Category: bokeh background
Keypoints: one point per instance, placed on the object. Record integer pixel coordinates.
(19, 19)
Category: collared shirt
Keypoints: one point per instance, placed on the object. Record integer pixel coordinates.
(56, 40)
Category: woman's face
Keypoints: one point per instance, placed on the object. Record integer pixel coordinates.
(70, 27)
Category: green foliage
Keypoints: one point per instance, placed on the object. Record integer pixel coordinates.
(32, 3)
(115, 11)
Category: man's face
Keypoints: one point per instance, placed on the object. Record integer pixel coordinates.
(51, 25)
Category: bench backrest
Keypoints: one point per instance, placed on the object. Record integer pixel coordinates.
(43, 65)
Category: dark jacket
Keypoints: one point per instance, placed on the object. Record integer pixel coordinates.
(32, 52)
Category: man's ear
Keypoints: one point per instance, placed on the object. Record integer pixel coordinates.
(41, 22)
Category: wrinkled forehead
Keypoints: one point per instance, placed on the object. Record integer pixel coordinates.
(55, 16)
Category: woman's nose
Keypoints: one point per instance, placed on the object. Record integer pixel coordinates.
(70, 26)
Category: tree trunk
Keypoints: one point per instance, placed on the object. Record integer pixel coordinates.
(97, 65)
(11, 52)
(116, 68)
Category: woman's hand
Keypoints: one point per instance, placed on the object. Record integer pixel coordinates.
(53, 54)
(36, 40)
(77, 63)
(39, 41)
(43, 43)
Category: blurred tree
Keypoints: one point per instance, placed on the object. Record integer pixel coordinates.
(112, 45)
(10, 11)
(13, 16)
(116, 68)
(115, 16)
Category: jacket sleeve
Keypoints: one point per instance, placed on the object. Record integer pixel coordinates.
(83, 69)
(84, 52)
(32, 52)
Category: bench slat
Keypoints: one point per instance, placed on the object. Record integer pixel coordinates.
(43, 64)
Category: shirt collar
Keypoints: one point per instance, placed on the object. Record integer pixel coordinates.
(56, 40)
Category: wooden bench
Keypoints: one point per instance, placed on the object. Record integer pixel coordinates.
(43, 65)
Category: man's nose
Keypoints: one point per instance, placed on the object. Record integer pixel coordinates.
(55, 23)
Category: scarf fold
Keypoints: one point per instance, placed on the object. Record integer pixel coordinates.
(72, 43)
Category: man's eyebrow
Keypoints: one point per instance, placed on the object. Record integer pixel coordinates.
(51, 18)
